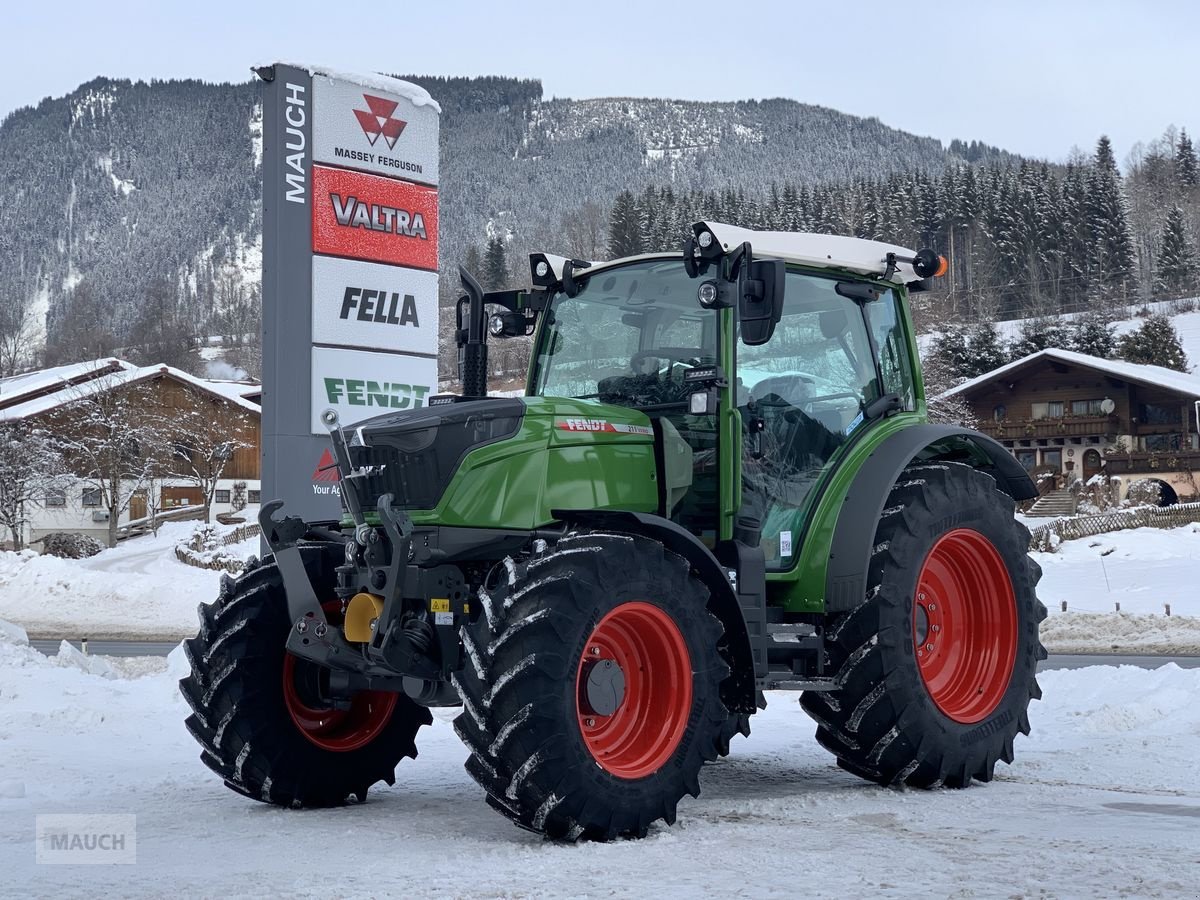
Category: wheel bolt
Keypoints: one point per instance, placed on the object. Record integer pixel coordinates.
(932, 607)
(589, 722)
(929, 647)
(921, 596)
(595, 651)
(935, 628)
(302, 625)
(320, 630)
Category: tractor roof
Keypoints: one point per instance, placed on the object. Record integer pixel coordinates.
(828, 251)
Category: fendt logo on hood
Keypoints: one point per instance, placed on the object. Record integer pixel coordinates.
(377, 121)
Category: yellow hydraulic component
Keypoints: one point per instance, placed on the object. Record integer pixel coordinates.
(362, 611)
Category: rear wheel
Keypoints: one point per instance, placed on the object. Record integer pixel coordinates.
(263, 717)
(592, 693)
(937, 667)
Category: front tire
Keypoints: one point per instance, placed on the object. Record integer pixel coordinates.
(257, 710)
(591, 695)
(938, 665)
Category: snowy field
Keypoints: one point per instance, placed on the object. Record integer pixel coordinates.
(1103, 800)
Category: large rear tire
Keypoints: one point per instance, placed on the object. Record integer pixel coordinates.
(591, 694)
(258, 713)
(937, 667)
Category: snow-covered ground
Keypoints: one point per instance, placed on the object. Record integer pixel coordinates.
(138, 589)
(1103, 800)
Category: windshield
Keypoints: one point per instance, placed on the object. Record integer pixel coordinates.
(627, 337)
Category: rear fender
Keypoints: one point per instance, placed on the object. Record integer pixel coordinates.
(739, 693)
(854, 534)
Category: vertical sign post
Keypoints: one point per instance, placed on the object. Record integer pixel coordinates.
(350, 229)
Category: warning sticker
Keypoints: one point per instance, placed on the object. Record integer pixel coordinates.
(439, 604)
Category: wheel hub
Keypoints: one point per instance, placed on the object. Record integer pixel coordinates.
(965, 626)
(605, 687)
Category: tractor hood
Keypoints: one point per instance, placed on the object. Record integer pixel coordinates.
(507, 462)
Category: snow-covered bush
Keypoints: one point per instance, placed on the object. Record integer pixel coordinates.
(206, 549)
(1098, 495)
(1144, 492)
(68, 545)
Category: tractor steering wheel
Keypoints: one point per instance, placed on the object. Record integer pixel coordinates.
(689, 355)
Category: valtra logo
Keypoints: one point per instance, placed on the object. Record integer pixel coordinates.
(357, 215)
(377, 121)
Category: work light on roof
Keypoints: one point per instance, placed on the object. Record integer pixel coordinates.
(542, 269)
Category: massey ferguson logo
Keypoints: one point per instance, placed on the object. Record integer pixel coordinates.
(327, 469)
(377, 121)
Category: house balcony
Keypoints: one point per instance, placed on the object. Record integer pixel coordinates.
(1069, 426)
(1142, 462)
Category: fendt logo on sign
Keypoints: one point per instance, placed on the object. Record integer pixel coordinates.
(377, 121)
(378, 219)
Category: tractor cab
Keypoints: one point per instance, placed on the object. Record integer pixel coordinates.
(791, 346)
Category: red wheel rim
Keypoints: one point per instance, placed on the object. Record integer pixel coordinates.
(965, 626)
(644, 731)
(337, 730)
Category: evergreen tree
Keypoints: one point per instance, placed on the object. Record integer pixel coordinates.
(985, 350)
(1187, 168)
(1155, 343)
(624, 227)
(1177, 266)
(472, 261)
(495, 266)
(1092, 334)
(949, 351)
(1112, 247)
(1038, 334)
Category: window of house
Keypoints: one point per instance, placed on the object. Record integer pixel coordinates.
(91, 497)
(1052, 458)
(1086, 407)
(1000, 413)
(1028, 459)
(222, 496)
(1154, 414)
(1052, 409)
(1157, 443)
(56, 497)
(253, 496)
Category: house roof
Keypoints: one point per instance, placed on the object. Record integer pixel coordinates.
(57, 391)
(18, 388)
(1151, 376)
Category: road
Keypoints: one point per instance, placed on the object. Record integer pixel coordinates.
(1058, 661)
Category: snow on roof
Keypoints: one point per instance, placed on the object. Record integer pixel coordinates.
(16, 386)
(126, 376)
(1155, 376)
(416, 94)
(233, 390)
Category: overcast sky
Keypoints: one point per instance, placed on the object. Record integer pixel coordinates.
(1034, 77)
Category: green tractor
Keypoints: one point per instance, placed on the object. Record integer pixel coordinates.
(721, 481)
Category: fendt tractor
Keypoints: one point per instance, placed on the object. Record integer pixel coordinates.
(721, 481)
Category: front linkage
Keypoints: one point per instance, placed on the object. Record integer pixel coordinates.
(402, 610)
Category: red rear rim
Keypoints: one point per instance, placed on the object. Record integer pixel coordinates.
(965, 625)
(337, 730)
(645, 729)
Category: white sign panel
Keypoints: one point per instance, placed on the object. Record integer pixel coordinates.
(373, 306)
(373, 130)
(361, 384)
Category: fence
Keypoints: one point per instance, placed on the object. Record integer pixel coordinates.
(211, 558)
(1086, 526)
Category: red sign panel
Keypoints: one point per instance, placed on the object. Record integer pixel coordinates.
(377, 219)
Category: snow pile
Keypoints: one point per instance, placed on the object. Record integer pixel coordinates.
(1100, 802)
(135, 590)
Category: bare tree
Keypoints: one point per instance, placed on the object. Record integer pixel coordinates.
(586, 231)
(117, 436)
(205, 440)
(31, 467)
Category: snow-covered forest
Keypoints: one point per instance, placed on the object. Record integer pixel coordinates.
(130, 217)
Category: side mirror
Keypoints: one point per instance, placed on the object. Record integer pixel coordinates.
(760, 300)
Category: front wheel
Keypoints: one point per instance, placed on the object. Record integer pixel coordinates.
(938, 665)
(592, 693)
(262, 716)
